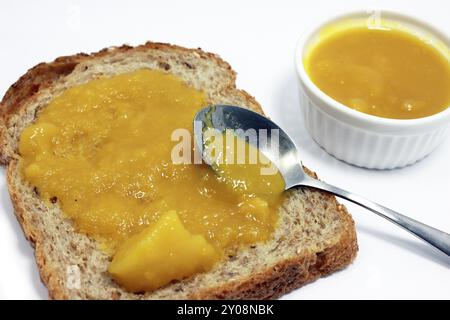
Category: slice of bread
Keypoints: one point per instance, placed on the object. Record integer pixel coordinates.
(315, 236)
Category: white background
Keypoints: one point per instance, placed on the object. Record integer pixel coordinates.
(257, 38)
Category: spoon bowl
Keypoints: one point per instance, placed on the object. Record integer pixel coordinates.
(258, 131)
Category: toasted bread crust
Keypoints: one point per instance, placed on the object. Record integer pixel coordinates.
(271, 283)
(36, 239)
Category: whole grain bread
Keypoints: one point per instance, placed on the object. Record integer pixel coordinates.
(315, 236)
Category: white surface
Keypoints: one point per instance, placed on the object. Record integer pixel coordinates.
(258, 39)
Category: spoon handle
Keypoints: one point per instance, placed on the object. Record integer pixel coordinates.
(435, 237)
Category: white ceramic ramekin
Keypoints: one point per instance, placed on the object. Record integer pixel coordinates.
(358, 138)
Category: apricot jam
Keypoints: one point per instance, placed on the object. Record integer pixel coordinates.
(384, 72)
(103, 150)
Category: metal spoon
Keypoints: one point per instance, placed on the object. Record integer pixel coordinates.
(223, 117)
